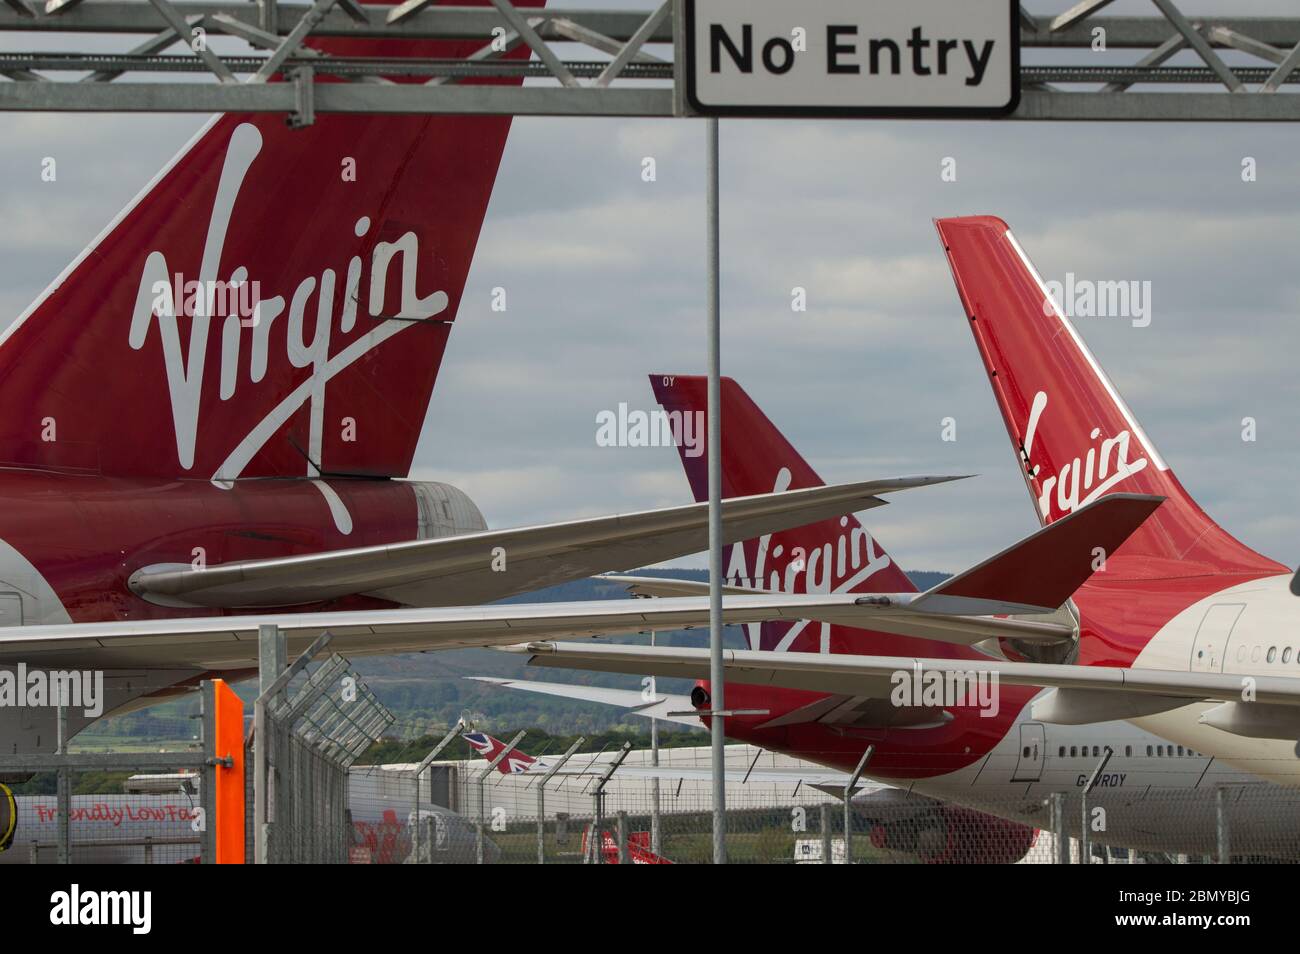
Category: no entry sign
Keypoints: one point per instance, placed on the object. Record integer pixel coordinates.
(852, 57)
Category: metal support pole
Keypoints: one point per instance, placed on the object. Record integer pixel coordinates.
(1221, 825)
(848, 802)
(269, 19)
(64, 782)
(655, 831)
(478, 843)
(826, 834)
(541, 799)
(716, 675)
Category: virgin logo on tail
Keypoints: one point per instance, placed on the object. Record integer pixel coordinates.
(836, 566)
(186, 368)
(1080, 481)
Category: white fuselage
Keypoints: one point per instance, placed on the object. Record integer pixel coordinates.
(1159, 787)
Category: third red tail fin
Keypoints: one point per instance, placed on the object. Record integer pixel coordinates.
(1074, 435)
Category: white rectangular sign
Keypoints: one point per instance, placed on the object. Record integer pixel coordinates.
(852, 57)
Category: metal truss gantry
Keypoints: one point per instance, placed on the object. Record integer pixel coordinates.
(1235, 68)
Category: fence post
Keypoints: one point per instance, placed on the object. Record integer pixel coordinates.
(64, 782)
(826, 834)
(416, 823)
(478, 845)
(1085, 849)
(271, 660)
(501, 756)
(541, 824)
(541, 799)
(624, 855)
(595, 841)
(300, 789)
(1062, 829)
(848, 802)
(1221, 825)
(208, 772)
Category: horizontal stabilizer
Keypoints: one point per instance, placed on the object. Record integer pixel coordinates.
(840, 711)
(659, 706)
(1041, 572)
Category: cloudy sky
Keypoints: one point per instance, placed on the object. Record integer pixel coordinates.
(605, 281)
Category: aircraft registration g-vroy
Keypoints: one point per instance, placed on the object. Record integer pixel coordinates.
(1181, 654)
(209, 414)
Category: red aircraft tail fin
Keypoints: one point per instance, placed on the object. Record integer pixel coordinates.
(836, 555)
(1075, 437)
(275, 303)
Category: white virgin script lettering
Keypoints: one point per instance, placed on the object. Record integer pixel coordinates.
(836, 566)
(1081, 481)
(185, 371)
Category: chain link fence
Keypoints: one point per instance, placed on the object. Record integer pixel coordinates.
(103, 804)
(569, 820)
(110, 799)
(310, 727)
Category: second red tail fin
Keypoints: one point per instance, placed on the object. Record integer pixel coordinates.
(837, 555)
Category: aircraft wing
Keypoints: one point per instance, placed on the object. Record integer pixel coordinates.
(659, 706)
(493, 564)
(883, 613)
(230, 642)
(1082, 693)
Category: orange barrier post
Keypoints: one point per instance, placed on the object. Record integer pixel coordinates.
(229, 800)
